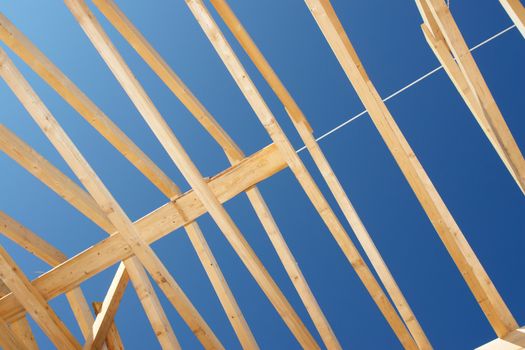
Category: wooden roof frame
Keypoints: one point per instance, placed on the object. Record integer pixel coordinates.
(129, 242)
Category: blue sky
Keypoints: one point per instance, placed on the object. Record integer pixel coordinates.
(472, 180)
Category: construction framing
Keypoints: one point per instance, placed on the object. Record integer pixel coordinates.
(128, 243)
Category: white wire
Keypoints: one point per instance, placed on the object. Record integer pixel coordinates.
(423, 77)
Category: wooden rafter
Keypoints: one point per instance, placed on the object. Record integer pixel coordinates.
(179, 156)
(113, 339)
(448, 44)
(232, 151)
(306, 133)
(35, 245)
(107, 203)
(266, 117)
(33, 162)
(476, 277)
(35, 59)
(35, 304)
(516, 12)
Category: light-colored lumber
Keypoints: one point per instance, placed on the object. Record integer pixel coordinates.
(305, 131)
(479, 99)
(35, 304)
(152, 227)
(8, 339)
(37, 246)
(108, 309)
(179, 156)
(445, 225)
(232, 151)
(35, 59)
(107, 203)
(113, 339)
(266, 117)
(516, 12)
(22, 331)
(80, 199)
(515, 340)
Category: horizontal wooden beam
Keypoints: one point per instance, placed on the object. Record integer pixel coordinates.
(171, 216)
(457, 245)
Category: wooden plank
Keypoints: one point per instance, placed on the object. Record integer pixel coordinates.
(516, 12)
(179, 156)
(266, 117)
(106, 313)
(489, 117)
(305, 131)
(113, 338)
(22, 331)
(515, 340)
(152, 227)
(35, 245)
(445, 225)
(50, 73)
(80, 199)
(8, 339)
(107, 203)
(232, 151)
(35, 304)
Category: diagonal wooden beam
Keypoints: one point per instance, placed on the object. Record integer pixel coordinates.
(35, 245)
(113, 337)
(34, 58)
(179, 156)
(35, 304)
(516, 12)
(22, 331)
(81, 200)
(9, 339)
(107, 203)
(266, 117)
(108, 309)
(478, 97)
(232, 151)
(301, 124)
(157, 224)
(476, 277)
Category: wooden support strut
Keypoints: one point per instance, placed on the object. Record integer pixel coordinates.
(37, 165)
(479, 282)
(516, 12)
(113, 337)
(233, 153)
(266, 117)
(301, 124)
(179, 156)
(9, 339)
(107, 203)
(152, 227)
(466, 76)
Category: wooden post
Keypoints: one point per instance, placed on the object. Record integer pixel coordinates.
(22, 331)
(107, 203)
(179, 156)
(449, 232)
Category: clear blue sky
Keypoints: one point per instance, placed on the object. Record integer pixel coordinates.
(472, 180)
